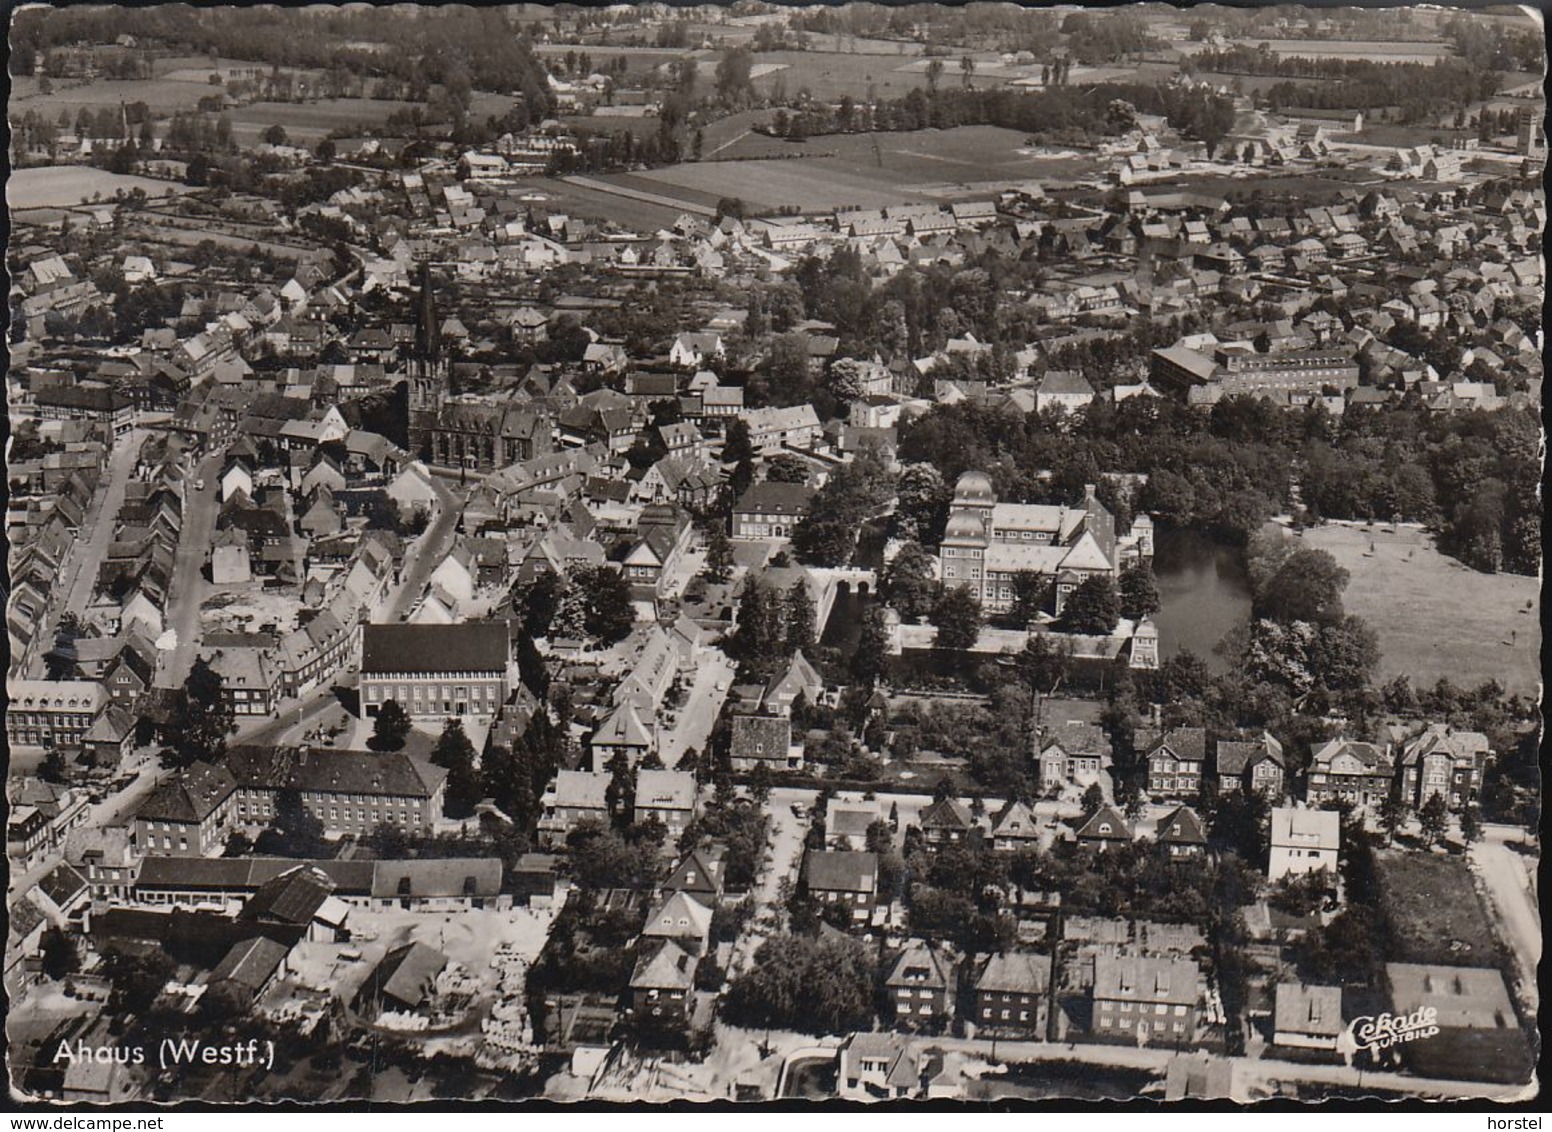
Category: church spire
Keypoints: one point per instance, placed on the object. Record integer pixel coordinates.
(428, 331)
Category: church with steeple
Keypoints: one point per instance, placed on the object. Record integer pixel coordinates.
(478, 434)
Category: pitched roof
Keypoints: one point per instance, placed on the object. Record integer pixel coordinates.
(1107, 824)
(293, 897)
(1146, 978)
(250, 963)
(679, 916)
(191, 797)
(407, 973)
(1015, 972)
(664, 965)
(946, 814)
(840, 870)
(1301, 1009)
(475, 646)
(1181, 827)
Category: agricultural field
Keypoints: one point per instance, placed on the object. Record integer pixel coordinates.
(309, 122)
(1434, 913)
(845, 170)
(57, 185)
(1401, 51)
(1436, 617)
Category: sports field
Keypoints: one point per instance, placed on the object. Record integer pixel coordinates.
(846, 171)
(1434, 616)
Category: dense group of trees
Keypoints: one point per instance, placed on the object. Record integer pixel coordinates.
(1421, 91)
(772, 625)
(855, 492)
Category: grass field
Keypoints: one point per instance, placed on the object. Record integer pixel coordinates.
(594, 204)
(54, 185)
(844, 171)
(309, 121)
(1434, 912)
(1434, 616)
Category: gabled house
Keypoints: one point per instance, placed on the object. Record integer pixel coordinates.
(842, 877)
(1011, 995)
(1106, 828)
(946, 823)
(1307, 1017)
(1015, 828)
(1253, 767)
(1175, 761)
(1180, 833)
(1147, 999)
(1352, 771)
(1303, 841)
(919, 986)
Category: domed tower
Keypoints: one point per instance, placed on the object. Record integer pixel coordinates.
(973, 495)
(962, 553)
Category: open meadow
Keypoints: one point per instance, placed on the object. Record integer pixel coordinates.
(846, 171)
(1433, 909)
(1436, 617)
(63, 185)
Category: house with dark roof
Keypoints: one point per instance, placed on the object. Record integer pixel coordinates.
(1443, 761)
(1180, 833)
(700, 873)
(1256, 766)
(189, 816)
(771, 510)
(947, 822)
(299, 899)
(404, 981)
(1175, 761)
(764, 740)
(1015, 828)
(1352, 771)
(920, 984)
(662, 983)
(437, 671)
(843, 877)
(1107, 827)
(247, 969)
(346, 791)
(1011, 995)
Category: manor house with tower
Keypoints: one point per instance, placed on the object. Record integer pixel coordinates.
(987, 543)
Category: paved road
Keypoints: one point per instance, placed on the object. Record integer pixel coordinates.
(1505, 874)
(189, 584)
(425, 554)
(701, 709)
(91, 546)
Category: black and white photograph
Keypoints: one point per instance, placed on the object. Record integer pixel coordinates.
(573, 556)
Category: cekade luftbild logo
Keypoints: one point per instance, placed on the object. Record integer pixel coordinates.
(1381, 1031)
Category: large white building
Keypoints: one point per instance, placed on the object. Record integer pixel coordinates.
(1303, 841)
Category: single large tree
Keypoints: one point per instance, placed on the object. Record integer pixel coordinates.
(607, 601)
(908, 583)
(719, 555)
(800, 615)
(957, 614)
(1434, 816)
(867, 663)
(455, 753)
(1094, 607)
(200, 719)
(391, 728)
(1139, 591)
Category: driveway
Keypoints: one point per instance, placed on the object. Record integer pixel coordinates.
(1506, 876)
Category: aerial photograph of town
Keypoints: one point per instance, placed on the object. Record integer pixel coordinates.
(752, 553)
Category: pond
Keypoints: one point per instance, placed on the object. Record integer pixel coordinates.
(1204, 594)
